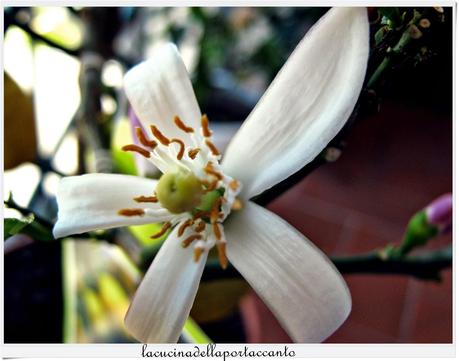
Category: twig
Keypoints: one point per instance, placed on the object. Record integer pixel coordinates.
(88, 121)
(10, 203)
(426, 266)
(38, 37)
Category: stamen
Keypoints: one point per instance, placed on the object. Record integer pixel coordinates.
(212, 147)
(163, 230)
(143, 199)
(187, 241)
(192, 153)
(160, 136)
(210, 185)
(197, 253)
(166, 158)
(237, 205)
(200, 227)
(136, 148)
(179, 123)
(209, 169)
(217, 231)
(205, 126)
(200, 214)
(182, 147)
(130, 212)
(184, 226)
(143, 139)
(215, 212)
(221, 247)
(234, 185)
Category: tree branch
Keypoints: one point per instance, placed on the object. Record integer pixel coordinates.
(10, 203)
(426, 266)
(38, 37)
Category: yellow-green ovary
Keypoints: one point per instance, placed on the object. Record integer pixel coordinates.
(179, 191)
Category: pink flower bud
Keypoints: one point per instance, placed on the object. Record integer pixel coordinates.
(440, 212)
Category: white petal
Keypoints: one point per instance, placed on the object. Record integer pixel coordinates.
(306, 105)
(159, 89)
(92, 201)
(164, 298)
(294, 278)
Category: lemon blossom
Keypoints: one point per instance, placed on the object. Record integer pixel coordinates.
(204, 201)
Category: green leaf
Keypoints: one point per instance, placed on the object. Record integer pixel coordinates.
(63, 29)
(124, 161)
(194, 333)
(28, 226)
(392, 14)
(13, 226)
(144, 232)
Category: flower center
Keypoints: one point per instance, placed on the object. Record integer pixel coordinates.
(193, 193)
(179, 191)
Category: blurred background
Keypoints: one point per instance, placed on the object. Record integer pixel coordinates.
(65, 113)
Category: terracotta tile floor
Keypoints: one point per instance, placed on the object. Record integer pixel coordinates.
(395, 163)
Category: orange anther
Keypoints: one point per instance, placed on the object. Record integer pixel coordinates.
(163, 230)
(179, 123)
(160, 136)
(200, 214)
(187, 241)
(200, 227)
(234, 185)
(209, 169)
(221, 247)
(217, 231)
(215, 212)
(182, 147)
(205, 126)
(237, 205)
(211, 185)
(143, 199)
(137, 149)
(184, 226)
(192, 153)
(143, 139)
(130, 212)
(197, 253)
(212, 147)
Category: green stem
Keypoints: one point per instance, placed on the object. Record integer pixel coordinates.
(378, 72)
(404, 40)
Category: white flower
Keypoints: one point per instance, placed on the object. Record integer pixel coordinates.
(304, 108)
